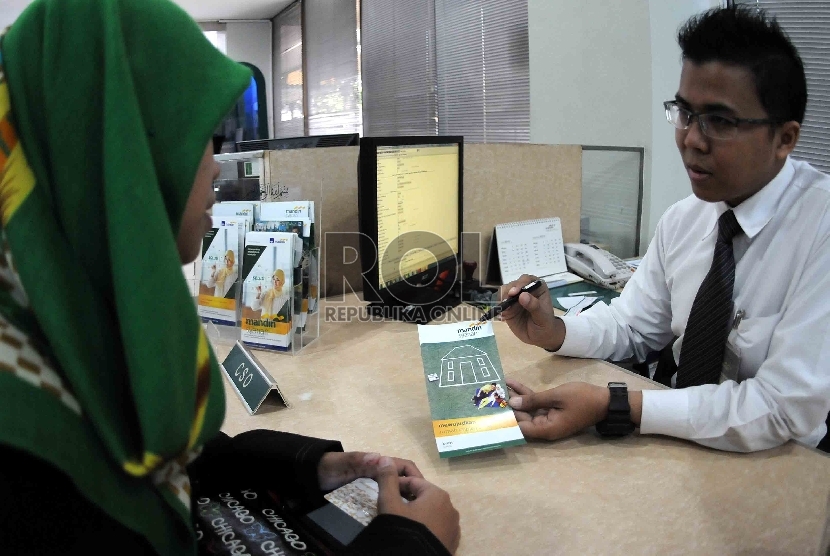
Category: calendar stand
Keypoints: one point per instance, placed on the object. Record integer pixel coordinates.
(532, 247)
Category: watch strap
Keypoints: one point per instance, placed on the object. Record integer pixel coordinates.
(618, 421)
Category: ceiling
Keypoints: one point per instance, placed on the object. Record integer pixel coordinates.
(200, 10)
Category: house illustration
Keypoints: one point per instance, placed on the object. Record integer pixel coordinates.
(467, 365)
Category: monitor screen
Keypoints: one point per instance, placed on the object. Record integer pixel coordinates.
(409, 197)
(417, 188)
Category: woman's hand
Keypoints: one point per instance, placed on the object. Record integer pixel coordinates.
(258, 291)
(427, 504)
(339, 468)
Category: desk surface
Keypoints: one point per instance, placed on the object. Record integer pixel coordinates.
(362, 384)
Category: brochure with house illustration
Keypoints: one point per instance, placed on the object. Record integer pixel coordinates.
(466, 389)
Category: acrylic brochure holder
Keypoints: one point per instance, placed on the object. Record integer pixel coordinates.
(301, 311)
(300, 302)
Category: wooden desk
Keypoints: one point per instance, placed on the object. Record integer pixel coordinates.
(362, 383)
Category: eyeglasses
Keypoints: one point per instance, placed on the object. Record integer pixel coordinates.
(712, 125)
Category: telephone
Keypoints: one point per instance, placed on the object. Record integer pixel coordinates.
(596, 265)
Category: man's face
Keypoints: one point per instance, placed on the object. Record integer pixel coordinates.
(730, 170)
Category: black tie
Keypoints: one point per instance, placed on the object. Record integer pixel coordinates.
(704, 342)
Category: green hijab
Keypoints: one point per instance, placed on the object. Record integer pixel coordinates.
(112, 103)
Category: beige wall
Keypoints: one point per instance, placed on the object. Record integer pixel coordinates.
(599, 71)
(590, 75)
(669, 181)
(502, 183)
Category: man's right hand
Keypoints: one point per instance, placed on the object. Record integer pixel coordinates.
(532, 319)
(427, 504)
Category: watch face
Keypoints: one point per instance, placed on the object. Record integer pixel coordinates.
(617, 385)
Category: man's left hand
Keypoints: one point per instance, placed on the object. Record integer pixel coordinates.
(339, 468)
(560, 411)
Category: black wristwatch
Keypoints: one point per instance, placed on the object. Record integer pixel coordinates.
(618, 422)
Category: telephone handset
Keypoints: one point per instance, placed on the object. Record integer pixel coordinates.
(596, 265)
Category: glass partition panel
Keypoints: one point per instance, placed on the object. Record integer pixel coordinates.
(612, 198)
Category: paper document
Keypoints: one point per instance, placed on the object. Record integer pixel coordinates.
(576, 304)
(561, 279)
(466, 389)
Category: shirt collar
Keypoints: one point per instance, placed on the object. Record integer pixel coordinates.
(754, 213)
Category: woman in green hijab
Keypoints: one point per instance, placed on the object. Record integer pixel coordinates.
(108, 387)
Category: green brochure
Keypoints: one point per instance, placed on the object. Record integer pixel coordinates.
(466, 389)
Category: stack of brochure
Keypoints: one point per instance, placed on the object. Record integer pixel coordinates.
(271, 293)
(259, 270)
(221, 248)
(296, 217)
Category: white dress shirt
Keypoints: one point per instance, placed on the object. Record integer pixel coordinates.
(780, 386)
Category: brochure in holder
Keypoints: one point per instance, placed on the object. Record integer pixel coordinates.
(290, 208)
(257, 281)
(274, 306)
(270, 295)
(297, 217)
(221, 247)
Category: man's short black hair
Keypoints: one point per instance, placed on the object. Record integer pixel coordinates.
(746, 36)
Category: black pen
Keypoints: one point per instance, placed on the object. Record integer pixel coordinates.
(510, 301)
(594, 302)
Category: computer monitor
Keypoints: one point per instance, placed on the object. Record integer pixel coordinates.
(306, 142)
(410, 213)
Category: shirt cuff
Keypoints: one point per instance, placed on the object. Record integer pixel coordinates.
(666, 412)
(577, 337)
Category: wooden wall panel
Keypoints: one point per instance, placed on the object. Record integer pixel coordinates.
(503, 182)
(508, 182)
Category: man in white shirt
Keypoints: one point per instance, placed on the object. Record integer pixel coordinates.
(737, 114)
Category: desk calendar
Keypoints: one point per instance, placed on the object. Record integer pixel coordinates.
(529, 247)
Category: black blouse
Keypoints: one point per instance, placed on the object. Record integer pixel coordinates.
(41, 511)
